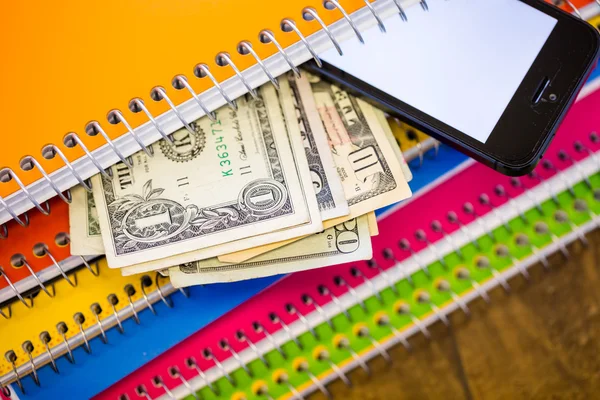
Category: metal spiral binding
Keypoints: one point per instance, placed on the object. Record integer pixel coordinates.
(376, 16)
(6, 314)
(7, 174)
(245, 48)
(72, 140)
(14, 289)
(276, 320)
(360, 329)
(373, 265)
(258, 328)
(443, 285)
(41, 250)
(308, 300)
(19, 260)
(342, 342)
(116, 117)
(287, 25)
(325, 292)
(158, 94)
(401, 11)
(174, 372)
(281, 378)
(83, 335)
(331, 4)
(192, 364)
(27, 164)
(309, 14)
(570, 4)
(383, 319)
(137, 105)
(142, 392)
(158, 382)
(405, 245)
(292, 310)
(23, 222)
(224, 59)
(266, 36)
(224, 345)
(357, 273)
(426, 148)
(50, 151)
(241, 336)
(302, 366)
(208, 355)
(421, 236)
(388, 254)
(202, 71)
(93, 128)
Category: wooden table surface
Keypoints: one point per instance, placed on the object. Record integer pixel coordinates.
(541, 341)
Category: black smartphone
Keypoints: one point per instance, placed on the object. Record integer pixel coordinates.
(493, 78)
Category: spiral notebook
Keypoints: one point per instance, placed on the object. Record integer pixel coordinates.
(314, 326)
(187, 311)
(105, 80)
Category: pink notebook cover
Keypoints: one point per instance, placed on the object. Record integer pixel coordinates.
(402, 223)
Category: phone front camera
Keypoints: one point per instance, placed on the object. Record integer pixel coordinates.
(552, 97)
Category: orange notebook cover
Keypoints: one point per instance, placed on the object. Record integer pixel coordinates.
(69, 63)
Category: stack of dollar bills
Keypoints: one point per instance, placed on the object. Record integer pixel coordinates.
(287, 180)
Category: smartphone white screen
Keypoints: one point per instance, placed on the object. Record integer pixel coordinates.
(461, 62)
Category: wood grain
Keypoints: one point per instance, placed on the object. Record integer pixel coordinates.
(541, 341)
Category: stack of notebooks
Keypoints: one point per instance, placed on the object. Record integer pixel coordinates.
(70, 324)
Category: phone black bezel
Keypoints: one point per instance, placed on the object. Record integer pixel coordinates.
(524, 131)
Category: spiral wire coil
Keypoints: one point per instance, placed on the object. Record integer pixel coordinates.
(41, 250)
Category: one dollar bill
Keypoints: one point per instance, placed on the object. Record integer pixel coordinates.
(282, 104)
(217, 182)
